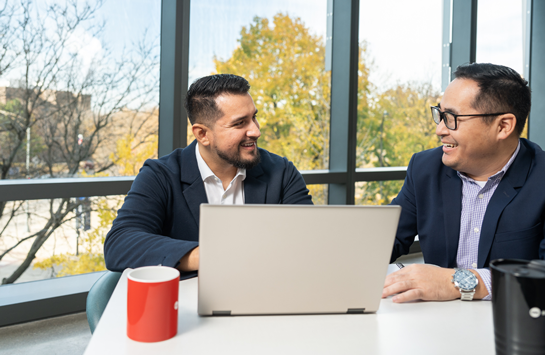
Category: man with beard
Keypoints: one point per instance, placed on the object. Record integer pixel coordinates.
(159, 220)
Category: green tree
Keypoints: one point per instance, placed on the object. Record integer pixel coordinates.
(398, 125)
(285, 65)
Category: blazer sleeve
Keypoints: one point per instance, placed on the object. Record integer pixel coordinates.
(137, 235)
(407, 228)
(295, 190)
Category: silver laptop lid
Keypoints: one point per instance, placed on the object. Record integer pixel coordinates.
(293, 259)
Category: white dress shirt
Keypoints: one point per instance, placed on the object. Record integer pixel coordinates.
(232, 195)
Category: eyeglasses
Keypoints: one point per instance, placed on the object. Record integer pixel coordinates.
(451, 119)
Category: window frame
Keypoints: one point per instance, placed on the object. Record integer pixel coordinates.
(71, 292)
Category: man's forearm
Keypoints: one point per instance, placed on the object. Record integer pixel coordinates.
(190, 261)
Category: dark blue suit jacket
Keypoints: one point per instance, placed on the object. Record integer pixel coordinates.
(513, 225)
(159, 221)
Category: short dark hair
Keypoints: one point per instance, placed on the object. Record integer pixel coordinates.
(501, 90)
(200, 101)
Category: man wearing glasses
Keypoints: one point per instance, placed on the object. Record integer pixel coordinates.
(479, 197)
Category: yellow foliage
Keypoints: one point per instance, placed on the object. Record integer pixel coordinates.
(397, 125)
(73, 265)
(91, 258)
(284, 64)
(131, 153)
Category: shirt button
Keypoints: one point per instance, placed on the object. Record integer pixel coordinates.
(474, 265)
(481, 196)
(476, 230)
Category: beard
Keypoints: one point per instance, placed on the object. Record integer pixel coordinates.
(236, 160)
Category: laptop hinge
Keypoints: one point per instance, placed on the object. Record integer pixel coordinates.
(221, 313)
(355, 310)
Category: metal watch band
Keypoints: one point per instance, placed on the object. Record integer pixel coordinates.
(467, 295)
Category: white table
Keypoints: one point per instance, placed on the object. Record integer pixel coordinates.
(414, 328)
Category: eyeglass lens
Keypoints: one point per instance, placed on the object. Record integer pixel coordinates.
(447, 117)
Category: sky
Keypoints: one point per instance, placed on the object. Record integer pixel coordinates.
(499, 33)
(403, 37)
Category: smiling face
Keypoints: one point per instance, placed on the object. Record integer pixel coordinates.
(475, 147)
(233, 137)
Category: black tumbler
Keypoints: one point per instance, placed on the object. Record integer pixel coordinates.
(518, 305)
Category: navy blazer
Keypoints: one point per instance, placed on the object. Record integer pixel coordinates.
(513, 225)
(159, 220)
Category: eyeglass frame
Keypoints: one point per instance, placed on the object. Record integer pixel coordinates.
(442, 116)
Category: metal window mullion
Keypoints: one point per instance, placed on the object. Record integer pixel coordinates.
(536, 74)
(464, 32)
(174, 75)
(447, 49)
(344, 87)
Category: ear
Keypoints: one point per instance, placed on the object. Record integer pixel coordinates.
(201, 133)
(506, 125)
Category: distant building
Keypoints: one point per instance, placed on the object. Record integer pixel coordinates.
(55, 98)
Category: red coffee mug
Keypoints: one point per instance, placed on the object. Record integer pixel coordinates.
(152, 303)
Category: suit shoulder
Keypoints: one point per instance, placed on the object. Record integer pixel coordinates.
(428, 158)
(534, 148)
(169, 164)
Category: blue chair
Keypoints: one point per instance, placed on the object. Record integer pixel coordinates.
(98, 297)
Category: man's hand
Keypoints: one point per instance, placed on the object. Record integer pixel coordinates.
(190, 261)
(421, 282)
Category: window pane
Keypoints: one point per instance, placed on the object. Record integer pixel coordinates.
(74, 247)
(377, 192)
(499, 33)
(279, 47)
(82, 100)
(319, 193)
(497, 42)
(399, 78)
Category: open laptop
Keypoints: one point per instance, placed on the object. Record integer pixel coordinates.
(293, 259)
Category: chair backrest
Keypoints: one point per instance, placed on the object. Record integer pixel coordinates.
(98, 297)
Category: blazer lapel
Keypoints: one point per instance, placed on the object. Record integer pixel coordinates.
(192, 184)
(452, 212)
(508, 188)
(255, 190)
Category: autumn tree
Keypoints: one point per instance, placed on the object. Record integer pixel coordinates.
(285, 65)
(397, 125)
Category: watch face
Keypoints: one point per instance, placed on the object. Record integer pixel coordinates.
(465, 279)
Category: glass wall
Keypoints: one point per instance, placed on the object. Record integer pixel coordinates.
(500, 35)
(78, 87)
(279, 46)
(79, 97)
(33, 249)
(93, 112)
(399, 78)
(318, 193)
(377, 192)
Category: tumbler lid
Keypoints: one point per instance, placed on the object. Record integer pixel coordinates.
(534, 269)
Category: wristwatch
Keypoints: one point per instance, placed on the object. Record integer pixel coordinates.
(466, 282)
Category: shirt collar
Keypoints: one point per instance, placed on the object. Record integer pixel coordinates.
(500, 173)
(205, 170)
